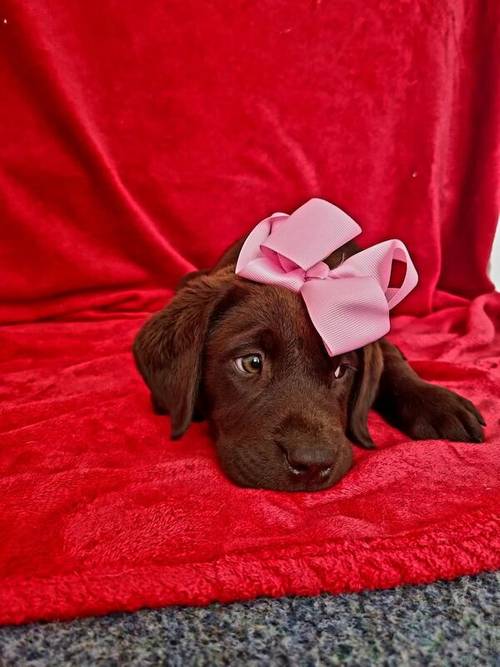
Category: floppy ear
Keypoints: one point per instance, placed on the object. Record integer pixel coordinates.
(364, 392)
(168, 349)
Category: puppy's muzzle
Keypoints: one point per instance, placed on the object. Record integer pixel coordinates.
(308, 462)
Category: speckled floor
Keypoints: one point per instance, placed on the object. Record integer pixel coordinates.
(447, 623)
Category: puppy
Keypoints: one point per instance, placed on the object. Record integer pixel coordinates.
(284, 414)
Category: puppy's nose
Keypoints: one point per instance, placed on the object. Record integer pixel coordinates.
(309, 462)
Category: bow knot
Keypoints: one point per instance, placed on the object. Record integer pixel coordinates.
(349, 305)
(320, 270)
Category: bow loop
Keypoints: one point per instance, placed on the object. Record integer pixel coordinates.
(377, 262)
(311, 233)
(349, 305)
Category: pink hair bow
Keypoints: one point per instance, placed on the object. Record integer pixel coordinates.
(349, 305)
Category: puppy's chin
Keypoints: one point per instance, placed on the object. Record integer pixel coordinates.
(271, 472)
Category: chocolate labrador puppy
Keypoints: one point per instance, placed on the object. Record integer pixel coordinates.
(245, 356)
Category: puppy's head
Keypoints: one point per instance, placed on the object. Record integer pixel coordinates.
(246, 357)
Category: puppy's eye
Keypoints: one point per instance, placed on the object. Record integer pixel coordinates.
(341, 370)
(250, 363)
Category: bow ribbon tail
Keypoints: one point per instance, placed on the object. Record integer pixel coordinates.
(348, 313)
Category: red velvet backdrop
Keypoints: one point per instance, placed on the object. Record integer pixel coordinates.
(137, 140)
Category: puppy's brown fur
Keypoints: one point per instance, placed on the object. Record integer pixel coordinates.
(291, 425)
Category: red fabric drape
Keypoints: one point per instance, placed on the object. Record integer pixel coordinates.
(137, 140)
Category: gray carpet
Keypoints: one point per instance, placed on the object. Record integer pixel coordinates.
(447, 623)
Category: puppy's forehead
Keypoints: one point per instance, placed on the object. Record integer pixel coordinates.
(255, 305)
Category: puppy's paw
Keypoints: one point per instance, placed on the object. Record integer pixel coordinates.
(434, 413)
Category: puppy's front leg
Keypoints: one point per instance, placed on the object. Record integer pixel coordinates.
(420, 409)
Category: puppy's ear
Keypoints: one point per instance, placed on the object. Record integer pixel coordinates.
(168, 349)
(364, 391)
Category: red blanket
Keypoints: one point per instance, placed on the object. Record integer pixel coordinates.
(137, 141)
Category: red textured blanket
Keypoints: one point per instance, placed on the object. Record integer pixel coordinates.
(138, 141)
